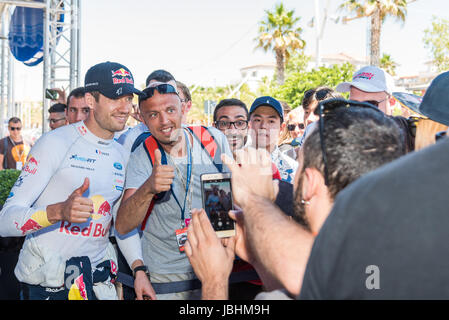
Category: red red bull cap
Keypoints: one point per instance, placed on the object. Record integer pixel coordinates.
(111, 79)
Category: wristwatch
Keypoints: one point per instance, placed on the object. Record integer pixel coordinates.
(141, 268)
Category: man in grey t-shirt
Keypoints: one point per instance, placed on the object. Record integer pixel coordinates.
(160, 108)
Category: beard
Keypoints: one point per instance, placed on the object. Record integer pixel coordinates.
(299, 211)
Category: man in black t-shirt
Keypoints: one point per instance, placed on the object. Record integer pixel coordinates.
(387, 235)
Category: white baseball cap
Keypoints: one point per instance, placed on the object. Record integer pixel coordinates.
(369, 79)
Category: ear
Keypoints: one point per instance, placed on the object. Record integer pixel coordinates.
(283, 125)
(392, 101)
(312, 184)
(187, 107)
(90, 100)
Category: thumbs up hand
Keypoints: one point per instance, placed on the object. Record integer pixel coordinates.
(162, 175)
(76, 208)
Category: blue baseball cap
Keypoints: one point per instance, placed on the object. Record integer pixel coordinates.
(435, 103)
(111, 79)
(270, 102)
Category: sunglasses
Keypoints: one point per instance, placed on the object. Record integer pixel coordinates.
(440, 135)
(375, 102)
(291, 127)
(161, 88)
(319, 95)
(15, 128)
(327, 106)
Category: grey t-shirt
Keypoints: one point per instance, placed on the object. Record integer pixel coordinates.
(159, 245)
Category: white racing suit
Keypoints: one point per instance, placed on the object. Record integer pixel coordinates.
(57, 165)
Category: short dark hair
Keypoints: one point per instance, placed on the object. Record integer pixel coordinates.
(185, 90)
(159, 75)
(311, 96)
(77, 93)
(230, 102)
(57, 107)
(14, 120)
(357, 140)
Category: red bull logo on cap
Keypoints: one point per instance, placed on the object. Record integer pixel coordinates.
(122, 76)
(121, 73)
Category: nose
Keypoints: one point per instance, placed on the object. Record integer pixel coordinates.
(125, 105)
(79, 115)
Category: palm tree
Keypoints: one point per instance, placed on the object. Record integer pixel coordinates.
(378, 10)
(388, 64)
(278, 32)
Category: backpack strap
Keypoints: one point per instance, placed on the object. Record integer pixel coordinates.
(140, 139)
(208, 143)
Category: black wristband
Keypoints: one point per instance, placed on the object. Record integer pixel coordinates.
(140, 268)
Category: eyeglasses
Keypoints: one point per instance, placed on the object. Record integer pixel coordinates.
(291, 127)
(15, 128)
(161, 88)
(375, 102)
(239, 124)
(53, 121)
(327, 106)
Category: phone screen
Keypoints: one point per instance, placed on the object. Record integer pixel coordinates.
(51, 94)
(217, 200)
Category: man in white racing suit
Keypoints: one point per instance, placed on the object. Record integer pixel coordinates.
(63, 199)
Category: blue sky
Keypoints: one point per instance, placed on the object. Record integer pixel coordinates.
(207, 41)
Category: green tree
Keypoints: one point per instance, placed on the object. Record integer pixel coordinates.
(436, 39)
(388, 64)
(279, 32)
(378, 11)
(292, 91)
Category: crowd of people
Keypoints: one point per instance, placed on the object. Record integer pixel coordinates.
(330, 199)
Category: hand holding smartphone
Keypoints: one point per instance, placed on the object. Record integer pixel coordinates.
(217, 201)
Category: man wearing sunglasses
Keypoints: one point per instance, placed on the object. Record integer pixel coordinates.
(62, 201)
(13, 150)
(161, 110)
(375, 86)
(128, 137)
(57, 116)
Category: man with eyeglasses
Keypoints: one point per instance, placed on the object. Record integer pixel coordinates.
(164, 258)
(357, 140)
(13, 150)
(231, 118)
(266, 116)
(374, 85)
(57, 115)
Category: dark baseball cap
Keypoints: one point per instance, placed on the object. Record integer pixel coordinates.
(268, 101)
(111, 79)
(435, 103)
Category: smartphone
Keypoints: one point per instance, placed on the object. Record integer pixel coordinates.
(51, 94)
(216, 193)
